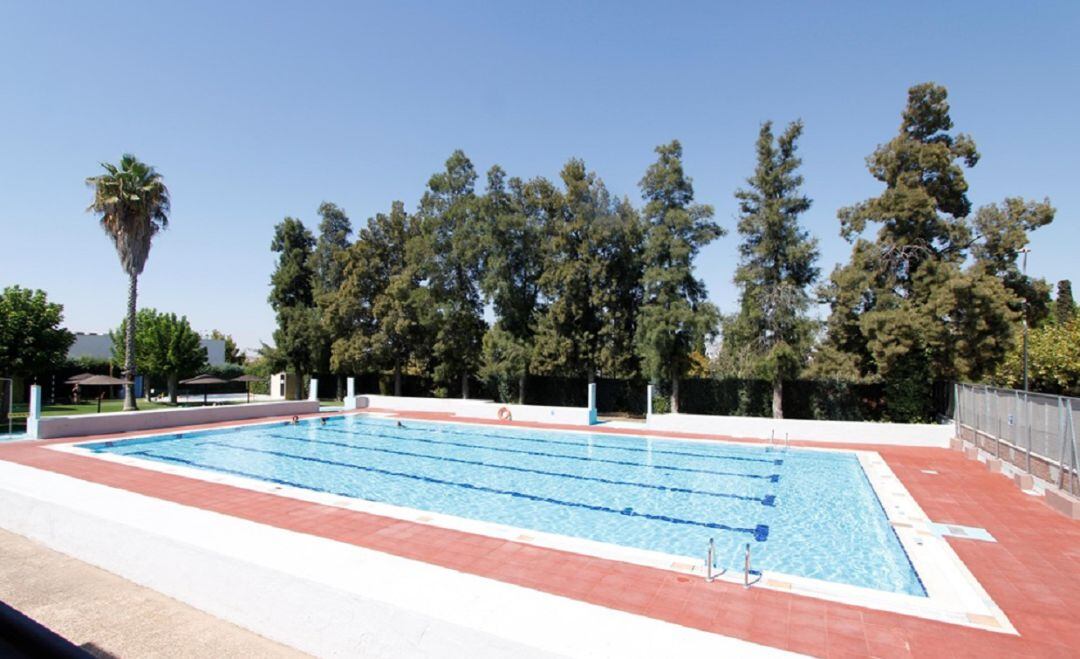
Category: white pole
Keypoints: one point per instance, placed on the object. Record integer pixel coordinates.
(648, 401)
(350, 387)
(34, 416)
(592, 404)
(313, 389)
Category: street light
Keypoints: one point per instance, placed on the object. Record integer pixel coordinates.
(1025, 252)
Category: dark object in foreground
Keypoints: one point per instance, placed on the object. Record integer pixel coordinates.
(21, 636)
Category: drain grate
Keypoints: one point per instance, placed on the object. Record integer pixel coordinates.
(959, 531)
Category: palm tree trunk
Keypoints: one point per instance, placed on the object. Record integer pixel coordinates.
(674, 393)
(129, 345)
(521, 387)
(778, 399)
(397, 379)
(465, 385)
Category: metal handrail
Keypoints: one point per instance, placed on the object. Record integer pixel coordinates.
(710, 563)
(747, 571)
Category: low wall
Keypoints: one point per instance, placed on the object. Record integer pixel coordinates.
(52, 427)
(840, 432)
(1041, 467)
(477, 409)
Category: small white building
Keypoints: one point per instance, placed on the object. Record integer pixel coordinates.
(99, 346)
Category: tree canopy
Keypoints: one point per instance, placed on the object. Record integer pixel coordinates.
(33, 340)
(166, 346)
(776, 267)
(909, 308)
(675, 318)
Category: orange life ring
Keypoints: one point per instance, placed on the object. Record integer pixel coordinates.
(504, 414)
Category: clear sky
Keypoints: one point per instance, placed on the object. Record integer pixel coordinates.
(254, 111)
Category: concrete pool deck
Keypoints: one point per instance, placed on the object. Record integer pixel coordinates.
(109, 616)
(1031, 571)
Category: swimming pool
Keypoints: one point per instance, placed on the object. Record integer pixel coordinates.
(805, 512)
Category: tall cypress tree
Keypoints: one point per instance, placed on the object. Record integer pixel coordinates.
(515, 216)
(380, 314)
(1064, 305)
(334, 231)
(777, 264)
(450, 262)
(298, 338)
(328, 268)
(675, 318)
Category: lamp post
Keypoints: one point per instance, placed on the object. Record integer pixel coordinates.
(1025, 253)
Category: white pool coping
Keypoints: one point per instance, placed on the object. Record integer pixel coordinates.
(323, 597)
(954, 595)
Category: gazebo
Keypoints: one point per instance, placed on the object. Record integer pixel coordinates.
(98, 381)
(248, 379)
(203, 380)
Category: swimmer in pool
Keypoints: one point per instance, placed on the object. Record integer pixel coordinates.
(295, 420)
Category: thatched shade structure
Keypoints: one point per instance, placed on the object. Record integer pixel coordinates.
(201, 381)
(247, 379)
(76, 379)
(101, 381)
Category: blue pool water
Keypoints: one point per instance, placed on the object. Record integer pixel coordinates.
(804, 512)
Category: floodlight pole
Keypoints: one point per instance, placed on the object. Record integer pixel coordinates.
(1025, 252)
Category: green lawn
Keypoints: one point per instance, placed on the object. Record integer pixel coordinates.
(117, 405)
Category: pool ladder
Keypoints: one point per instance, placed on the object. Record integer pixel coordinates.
(773, 443)
(710, 565)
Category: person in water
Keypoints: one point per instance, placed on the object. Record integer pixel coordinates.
(295, 420)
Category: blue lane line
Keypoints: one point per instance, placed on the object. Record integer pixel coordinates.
(760, 532)
(767, 500)
(774, 461)
(773, 478)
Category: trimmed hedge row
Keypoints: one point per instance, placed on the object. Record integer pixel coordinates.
(803, 399)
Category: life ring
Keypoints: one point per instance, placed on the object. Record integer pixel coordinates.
(504, 414)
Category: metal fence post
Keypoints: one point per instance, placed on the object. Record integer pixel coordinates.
(997, 435)
(1073, 461)
(956, 410)
(1061, 460)
(1027, 418)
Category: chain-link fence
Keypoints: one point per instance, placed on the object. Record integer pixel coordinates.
(1036, 432)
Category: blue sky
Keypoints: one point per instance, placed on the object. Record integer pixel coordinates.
(254, 111)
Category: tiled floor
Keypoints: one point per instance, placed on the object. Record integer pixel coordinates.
(1032, 571)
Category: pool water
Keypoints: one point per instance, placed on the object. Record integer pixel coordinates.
(804, 512)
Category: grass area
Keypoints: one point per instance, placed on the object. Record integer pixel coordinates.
(89, 407)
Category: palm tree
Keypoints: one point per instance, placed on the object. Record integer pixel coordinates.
(134, 205)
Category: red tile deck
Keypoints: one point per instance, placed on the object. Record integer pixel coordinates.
(1032, 571)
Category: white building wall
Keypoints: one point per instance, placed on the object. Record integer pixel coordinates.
(99, 346)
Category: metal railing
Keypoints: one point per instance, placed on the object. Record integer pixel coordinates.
(1033, 431)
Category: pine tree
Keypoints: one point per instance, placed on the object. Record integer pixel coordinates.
(299, 338)
(675, 318)
(514, 219)
(334, 231)
(905, 310)
(381, 314)
(568, 337)
(450, 262)
(776, 266)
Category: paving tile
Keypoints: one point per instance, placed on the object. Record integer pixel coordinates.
(1031, 571)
